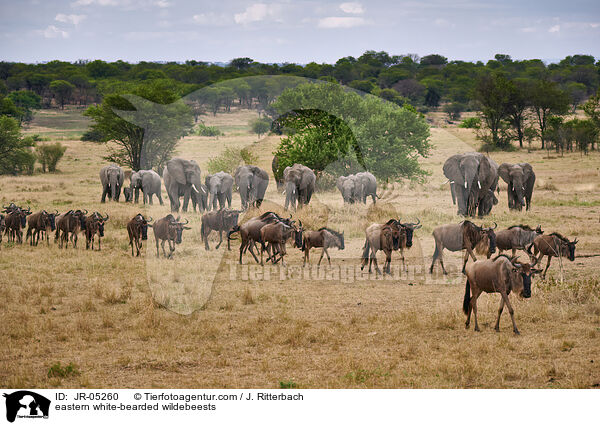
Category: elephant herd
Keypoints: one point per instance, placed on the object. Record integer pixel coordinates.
(473, 179)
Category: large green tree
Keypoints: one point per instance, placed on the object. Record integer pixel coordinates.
(147, 128)
(547, 100)
(493, 93)
(15, 150)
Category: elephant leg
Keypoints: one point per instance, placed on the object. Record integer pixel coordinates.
(186, 201)
(104, 193)
(160, 200)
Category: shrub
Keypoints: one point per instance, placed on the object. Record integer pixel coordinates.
(453, 110)
(473, 122)
(260, 126)
(16, 155)
(48, 155)
(59, 371)
(91, 135)
(208, 131)
(230, 159)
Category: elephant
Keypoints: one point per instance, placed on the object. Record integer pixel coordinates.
(252, 183)
(367, 186)
(274, 168)
(473, 180)
(520, 179)
(348, 187)
(200, 199)
(149, 182)
(182, 178)
(220, 187)
(111, 177)
(299, 185)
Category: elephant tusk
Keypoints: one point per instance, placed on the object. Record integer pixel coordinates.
(447, 181)
(478, 184)
(465, 185)
(283, 192)
(203, 190)
(194, 187)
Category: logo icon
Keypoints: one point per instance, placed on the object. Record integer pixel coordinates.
(26, 404)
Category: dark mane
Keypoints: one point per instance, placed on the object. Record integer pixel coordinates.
(391, 221)
(559, 236)
(522, 226)
(264, 215)
(502, 255)
(333, 232)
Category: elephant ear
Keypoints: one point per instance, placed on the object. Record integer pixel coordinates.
(286, 171)
(452, 170)
(340, 181)
(529, 175)
(207, 180)
(236, 175)
(175, 167)
(504, 172)
(121, 176)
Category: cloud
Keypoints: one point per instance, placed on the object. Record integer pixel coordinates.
(528, 29)
(341, 22)
(257, 12)
(54, 32)
(127, 4)
(555, 28)
(98, 2)
(70, 19)
(443, 23)
(211, 19)
(352, 8)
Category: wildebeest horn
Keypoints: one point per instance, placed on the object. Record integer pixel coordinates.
(194, 187)
(105, 218)
(86, 211)
(575, 241)
(55, 212)
(150, 220)
(186, 221)
(300, 222)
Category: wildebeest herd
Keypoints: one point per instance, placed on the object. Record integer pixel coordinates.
(473, 179)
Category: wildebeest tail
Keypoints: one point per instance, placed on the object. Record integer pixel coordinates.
(233, 230)
(303, 244)
(365, 254)
(202, 232)
(467, 299)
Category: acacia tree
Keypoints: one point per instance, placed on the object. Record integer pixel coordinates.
(493, 93)
(62, 91)
(332, 124)
(518, 102)
(147, 128)
(547, 100)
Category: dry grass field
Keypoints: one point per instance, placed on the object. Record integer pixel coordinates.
(96, 310)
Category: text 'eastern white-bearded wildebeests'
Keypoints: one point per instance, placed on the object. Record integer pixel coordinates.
(168, 229)
(501, 274)
(516, 237)
(220, 221)
(552, 245)
(137, 229)
(465, 235)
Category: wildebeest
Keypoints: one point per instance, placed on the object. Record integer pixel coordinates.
(516, 237)
(2, 226)
(94, 225)
(552, 245)
(137, 229)
(42, 223)
(274, 236)
(15, 221)
(250, 231)
(406, 238)
(501, 274)
(323, 238)
(222, 220)
(384, 237)
(168, 229)
(465, 235)
(70, 222)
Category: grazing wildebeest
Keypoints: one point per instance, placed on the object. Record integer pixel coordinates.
(15, 221)
(516, 237)
(94, 225)
(465, 235)
(70, 222)
(323, 238)
(222, 220)
(501, 274)
(384, 237)
(274, 236)
(40, 223)
(552, 245)
(250, 231)
(168, 229)
(137, 228)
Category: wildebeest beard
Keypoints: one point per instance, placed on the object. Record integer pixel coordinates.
(144, 231)
(492, 237)
(526, 285)
(409, 236)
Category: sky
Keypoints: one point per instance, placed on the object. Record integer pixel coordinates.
(294, 31)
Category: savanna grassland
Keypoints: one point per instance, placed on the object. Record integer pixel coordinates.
(96, 310)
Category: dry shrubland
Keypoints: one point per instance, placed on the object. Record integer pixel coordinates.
(79, 318)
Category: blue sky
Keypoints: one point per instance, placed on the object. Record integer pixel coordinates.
(298, 31)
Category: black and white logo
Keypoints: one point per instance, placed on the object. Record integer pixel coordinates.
(26, 404)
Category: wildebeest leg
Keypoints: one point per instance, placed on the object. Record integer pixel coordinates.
(497, 327)
(473, 306)
(321, 257)
(468, 252)
(162, 244)
(327, 253)
(242, 247)
(403, 262)
(306, 250)
(547, 266)
(252, 251)
(220, 239)
(511, 311)
(99, 243)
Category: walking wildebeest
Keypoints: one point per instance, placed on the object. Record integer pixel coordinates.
(465, 235)
(501, 274)
(323, 238)
(384, 237)
(42, 223)
(250, 231)
(70, 222)
(552, 245)
(222, 220)
(516, 237)
(406, 238)
(15, 221)
(94, 225)
(274, 236)
(169, 229)
(137, 228)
